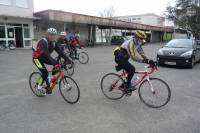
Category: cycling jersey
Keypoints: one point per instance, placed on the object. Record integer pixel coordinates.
(132, 49)
(44, 50)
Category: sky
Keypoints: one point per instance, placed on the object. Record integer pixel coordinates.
(94, 7)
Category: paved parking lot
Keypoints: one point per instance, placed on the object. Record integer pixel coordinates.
(22, 112)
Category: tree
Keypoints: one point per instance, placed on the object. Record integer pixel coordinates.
(186, 15)
(108, 13)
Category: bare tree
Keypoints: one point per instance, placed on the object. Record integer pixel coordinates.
(108, 13)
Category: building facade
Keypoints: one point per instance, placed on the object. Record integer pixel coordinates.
(148, 19)
(16, 22)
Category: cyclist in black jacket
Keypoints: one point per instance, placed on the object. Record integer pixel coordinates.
(42, 55)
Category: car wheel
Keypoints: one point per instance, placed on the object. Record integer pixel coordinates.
(192, 63)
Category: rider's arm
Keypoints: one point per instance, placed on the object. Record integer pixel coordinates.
(133, 55)
(45, 53)
(61, 53)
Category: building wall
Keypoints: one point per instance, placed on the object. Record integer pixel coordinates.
(16, 8)
(150, 19)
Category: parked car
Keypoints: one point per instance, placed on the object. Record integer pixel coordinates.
(180, 52)
(117, 40)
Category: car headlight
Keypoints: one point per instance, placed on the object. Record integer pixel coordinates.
(160, 52)
(187, 54)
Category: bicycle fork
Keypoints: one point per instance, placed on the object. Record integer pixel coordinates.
(151, 86)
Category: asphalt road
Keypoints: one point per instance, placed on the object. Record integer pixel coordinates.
(22, 112)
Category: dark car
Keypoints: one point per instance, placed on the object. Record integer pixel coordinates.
(180, 52)
(117, 40)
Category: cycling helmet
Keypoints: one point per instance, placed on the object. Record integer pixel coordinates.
(140, 34)
(52, 31)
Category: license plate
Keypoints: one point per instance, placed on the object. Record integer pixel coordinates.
(170, 63)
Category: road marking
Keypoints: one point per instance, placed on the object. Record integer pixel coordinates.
(14, 82)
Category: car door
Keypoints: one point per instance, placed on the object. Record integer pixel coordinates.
(198, 50)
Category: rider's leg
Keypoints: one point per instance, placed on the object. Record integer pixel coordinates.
(131, 70)
(126, 65)
(41, 67)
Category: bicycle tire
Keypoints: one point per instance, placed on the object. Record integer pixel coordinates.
(151, 105)
(30, 83)
(66, 78)
(102, 87)
(80, 58)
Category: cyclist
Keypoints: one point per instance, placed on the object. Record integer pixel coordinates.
(131, 49)
(75, 42)
(42, 55)
(63, 42)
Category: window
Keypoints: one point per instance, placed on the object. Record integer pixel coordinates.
(27, 43)
(26, 33)
(133, 18)
(22, 3)
(10, 32)
(5, 2)
(138, 18)
(2, 32)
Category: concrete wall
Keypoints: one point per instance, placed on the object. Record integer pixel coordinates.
(13, 10)
(153, 20)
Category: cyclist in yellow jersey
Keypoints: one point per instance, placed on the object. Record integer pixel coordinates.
(131, 48)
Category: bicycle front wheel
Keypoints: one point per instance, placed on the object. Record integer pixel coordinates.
(69, 90)
(157, 98)
(34, 80)
(112, 86)
(83, 57)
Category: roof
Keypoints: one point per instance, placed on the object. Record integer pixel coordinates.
(62, 16)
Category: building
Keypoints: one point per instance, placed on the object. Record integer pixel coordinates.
(16, 22)
(88, 26)
(148, 19)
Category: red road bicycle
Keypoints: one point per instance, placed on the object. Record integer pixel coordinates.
(153, 92)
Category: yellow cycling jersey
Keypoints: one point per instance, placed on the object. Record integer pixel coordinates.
(134, 50)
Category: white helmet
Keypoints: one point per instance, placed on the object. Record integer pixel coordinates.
(63, 33)
(52, 31)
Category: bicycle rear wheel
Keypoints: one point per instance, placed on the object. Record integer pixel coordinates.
(83, 57)
(157, 99)
(69, 68)
(34, 80)
(111, 85)
(69, 90)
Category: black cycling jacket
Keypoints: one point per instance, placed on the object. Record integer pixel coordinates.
(46, 48)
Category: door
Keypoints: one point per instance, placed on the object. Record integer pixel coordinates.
(19, 37)
(11, 35)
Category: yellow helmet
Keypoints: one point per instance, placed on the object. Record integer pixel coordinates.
(141, 34)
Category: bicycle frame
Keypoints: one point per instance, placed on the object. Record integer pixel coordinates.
(143, 74)
(59, 75)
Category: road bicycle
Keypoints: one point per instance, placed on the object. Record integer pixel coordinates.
(68, 87)
(153, 92)
(81, 56)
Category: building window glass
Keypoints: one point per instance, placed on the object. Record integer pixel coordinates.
(10, 32)
(26, 33)
(27, 43)
(2, 32)
(5, 2)
(22, 3)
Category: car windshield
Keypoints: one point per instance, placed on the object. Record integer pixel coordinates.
(179, 43)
